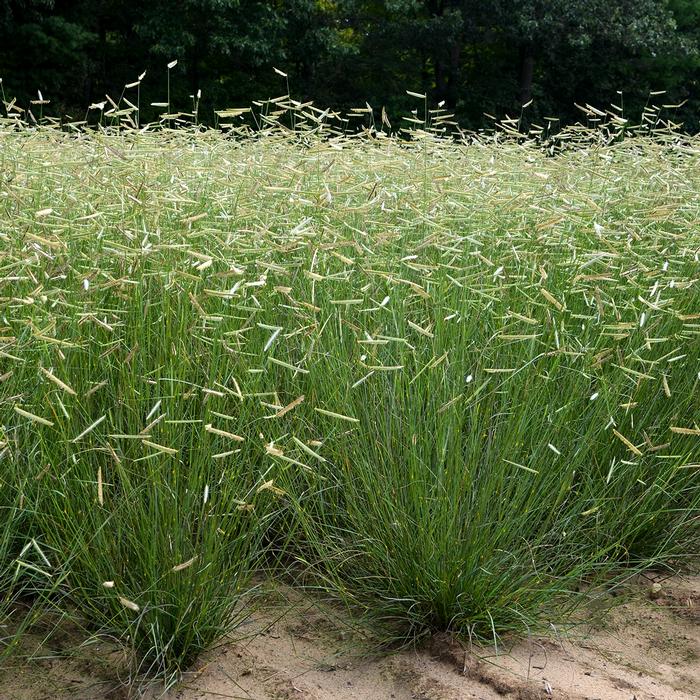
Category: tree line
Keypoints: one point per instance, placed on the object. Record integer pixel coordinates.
(479, 58)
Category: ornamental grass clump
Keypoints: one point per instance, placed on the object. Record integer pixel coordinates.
(451, 382)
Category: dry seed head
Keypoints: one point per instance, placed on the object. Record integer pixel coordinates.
(185, 564)
(33, 417)
(160, 448)
(551, 299)
(62, 385)
(685, 431)
(269, 486)
(223, 433)
(290, 406)
(100, 494)
(629, 445)
(129, 604)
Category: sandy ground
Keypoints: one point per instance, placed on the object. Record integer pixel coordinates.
(648, 648)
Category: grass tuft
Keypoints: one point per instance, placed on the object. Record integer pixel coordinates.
(454, 383)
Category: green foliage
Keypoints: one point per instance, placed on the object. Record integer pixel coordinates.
(42, 50)
(476, 57)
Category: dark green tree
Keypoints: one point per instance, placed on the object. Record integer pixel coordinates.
(475, 57)
(547, 30)
(46, 49)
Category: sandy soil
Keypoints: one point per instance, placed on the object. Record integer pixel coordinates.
(648, 648)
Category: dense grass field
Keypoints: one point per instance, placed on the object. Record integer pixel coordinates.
(455, 385)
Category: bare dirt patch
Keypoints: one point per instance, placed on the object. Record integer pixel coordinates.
(646, 649)
(649, 648)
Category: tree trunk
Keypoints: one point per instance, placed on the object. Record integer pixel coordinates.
(527, 70)
(441, 78)
(453, 77)
(193, 65)
(425, 74)
(96, 84)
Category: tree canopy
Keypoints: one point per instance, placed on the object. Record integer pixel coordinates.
(475, 57)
